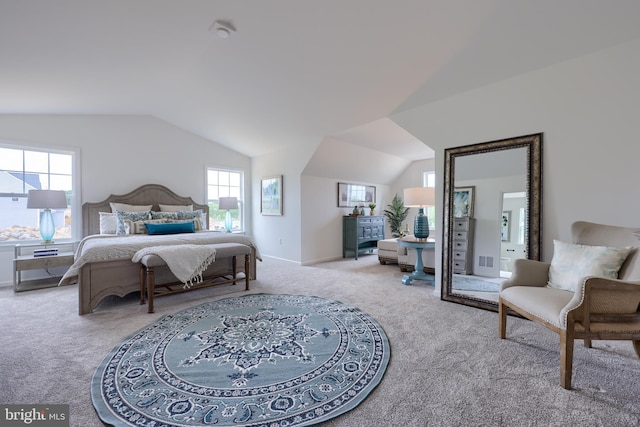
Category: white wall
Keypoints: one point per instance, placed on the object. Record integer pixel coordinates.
(412, 176)
(352, 162)
(322, 218)
(120, 153)
(587, 110)
(279, 236)
(336, 161)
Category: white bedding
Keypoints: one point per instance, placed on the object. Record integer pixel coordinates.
(100, 247)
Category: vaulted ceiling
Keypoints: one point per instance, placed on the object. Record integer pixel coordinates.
(292, 72)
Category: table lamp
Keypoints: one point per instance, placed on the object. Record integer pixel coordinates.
(228, 203)
(47, 200)
(419, 197)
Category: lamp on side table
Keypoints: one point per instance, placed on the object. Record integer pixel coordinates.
(420, 197)
(228, 203)
(47, 200)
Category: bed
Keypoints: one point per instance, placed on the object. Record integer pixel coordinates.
(103, 265)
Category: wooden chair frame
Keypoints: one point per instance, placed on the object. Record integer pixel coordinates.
(585, 322)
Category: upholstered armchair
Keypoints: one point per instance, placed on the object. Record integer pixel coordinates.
(589, 291)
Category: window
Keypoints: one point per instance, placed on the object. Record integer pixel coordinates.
(225, 183)
(429, 180)
(23, 169)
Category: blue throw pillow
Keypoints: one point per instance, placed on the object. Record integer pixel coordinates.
(171, 228)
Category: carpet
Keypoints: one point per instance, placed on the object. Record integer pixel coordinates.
(255, 360)
(464, 283)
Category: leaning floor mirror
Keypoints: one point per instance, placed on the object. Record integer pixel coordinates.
(492, 215)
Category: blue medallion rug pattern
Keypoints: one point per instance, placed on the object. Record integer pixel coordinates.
(256, 360)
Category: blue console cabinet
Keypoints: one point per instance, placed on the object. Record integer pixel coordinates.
(361, 233)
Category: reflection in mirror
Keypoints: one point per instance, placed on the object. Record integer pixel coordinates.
(503, 223)
(514, 211)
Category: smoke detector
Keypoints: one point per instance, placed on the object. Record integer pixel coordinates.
(222, 29)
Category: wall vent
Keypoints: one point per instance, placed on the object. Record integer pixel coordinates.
(485, 261)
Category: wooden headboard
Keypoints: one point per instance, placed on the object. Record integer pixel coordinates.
(149, 194)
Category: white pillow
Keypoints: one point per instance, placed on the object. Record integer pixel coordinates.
(571, 263)
(123, 207)
(175, 208)
(108, 223)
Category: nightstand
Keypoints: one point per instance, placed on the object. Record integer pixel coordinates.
(25, 260)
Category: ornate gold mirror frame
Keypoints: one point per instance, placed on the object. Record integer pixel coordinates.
(532, 145)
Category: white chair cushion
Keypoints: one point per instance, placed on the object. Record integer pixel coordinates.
(542, 302)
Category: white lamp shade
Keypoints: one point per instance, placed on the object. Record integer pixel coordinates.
(46, 199)
(228, 203)
(417, 197)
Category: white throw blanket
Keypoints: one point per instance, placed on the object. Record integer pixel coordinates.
(186, 262)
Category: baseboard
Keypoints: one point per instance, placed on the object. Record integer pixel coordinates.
(279, 259)
(319, 260)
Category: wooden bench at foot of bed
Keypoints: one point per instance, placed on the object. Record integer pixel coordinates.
(223, 250)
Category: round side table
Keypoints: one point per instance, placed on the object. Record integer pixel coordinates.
(418, 273)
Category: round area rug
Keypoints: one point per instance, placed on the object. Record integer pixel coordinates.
(255, 360)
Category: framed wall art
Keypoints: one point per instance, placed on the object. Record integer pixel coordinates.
(271, 195)
(463, 201)
(350, 195)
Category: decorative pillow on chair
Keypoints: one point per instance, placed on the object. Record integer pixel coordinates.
(571, 263)
(131, 216)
